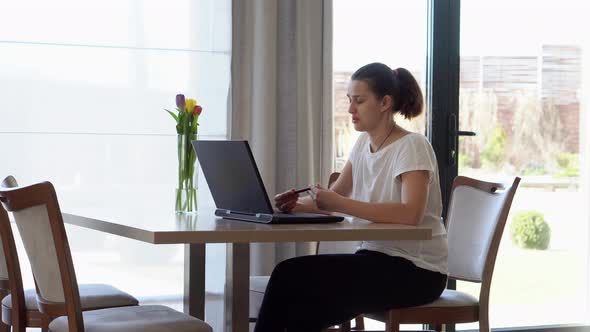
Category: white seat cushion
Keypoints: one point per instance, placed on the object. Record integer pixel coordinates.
(448, 299)
(453, 298)
(91, 296)
(257, 289)
(152, 318)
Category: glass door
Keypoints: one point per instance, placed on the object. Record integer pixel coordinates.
(524, 70)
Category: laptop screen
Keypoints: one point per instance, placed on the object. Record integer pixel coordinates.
(232, 176)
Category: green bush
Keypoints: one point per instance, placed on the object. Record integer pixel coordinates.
(529, 230)
(569, 165)
(534, 169)
(494, 153)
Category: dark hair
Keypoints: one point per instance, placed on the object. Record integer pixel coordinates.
(398, 83)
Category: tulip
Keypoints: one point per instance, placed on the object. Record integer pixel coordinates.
(190, 105)
(180, 101)
(197, 110)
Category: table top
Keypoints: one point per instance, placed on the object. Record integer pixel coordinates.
(160, 226)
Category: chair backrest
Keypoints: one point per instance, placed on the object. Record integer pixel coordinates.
(475, 222)
(4, 281)
(8, 182)
(38, 217)
(10, 267)
(333, 177)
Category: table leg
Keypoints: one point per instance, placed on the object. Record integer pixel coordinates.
(194, 280)
(237, 287)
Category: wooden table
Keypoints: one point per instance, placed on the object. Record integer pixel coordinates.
(156, 226)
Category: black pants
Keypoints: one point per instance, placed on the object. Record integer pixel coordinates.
(310, 293)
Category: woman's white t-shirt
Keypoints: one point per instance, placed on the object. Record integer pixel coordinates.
(376, 179)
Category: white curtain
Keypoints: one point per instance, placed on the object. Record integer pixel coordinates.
(282, 99)
(584, 94)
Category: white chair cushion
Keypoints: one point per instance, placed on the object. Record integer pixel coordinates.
(448, 299)
(453, 298)
(153, 318)
(257, 289)
(472, 220)
(30, 300)
(91, 296)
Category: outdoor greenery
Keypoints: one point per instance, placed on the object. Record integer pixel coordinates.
(464, 161)
(494, 153)
(529, 230)
(478, 112)
(569, 165)
(530, 143)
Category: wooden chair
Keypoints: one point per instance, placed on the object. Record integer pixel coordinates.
(4, 277)
(475, 222)
(38, 217)
(26, 314)
(258, 283)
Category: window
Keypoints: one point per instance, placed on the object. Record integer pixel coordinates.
(391, 32)
(521, 90)
(83, 91)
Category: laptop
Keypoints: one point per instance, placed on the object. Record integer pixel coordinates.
(237, 188)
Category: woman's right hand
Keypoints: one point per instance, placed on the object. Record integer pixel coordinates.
(286, 201)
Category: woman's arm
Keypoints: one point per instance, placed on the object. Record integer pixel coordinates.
(409, 212)
(343, 185)
(306, 204)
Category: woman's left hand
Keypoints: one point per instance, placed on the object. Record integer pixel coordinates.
(325, 199)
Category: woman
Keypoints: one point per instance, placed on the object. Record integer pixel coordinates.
(390, 177)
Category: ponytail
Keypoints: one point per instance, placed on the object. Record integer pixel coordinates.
(400, 84)
(409, 100)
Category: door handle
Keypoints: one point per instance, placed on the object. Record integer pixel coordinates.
(453, 135)
(465, 133)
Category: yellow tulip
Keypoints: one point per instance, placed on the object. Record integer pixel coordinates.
(190, 105)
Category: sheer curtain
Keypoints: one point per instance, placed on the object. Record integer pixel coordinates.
(281, 99)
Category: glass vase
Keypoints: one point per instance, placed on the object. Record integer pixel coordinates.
(186, 192)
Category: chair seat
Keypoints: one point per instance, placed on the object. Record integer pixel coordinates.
(257, 289)
(453, 298)
(449, 299)
(92, 296)
(152, 318)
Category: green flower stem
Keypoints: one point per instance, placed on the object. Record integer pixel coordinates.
(186, 196)
(178, 206)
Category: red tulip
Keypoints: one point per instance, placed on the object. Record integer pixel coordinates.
(197, 110)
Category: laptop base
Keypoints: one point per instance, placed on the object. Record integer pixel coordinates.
(278, 218)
